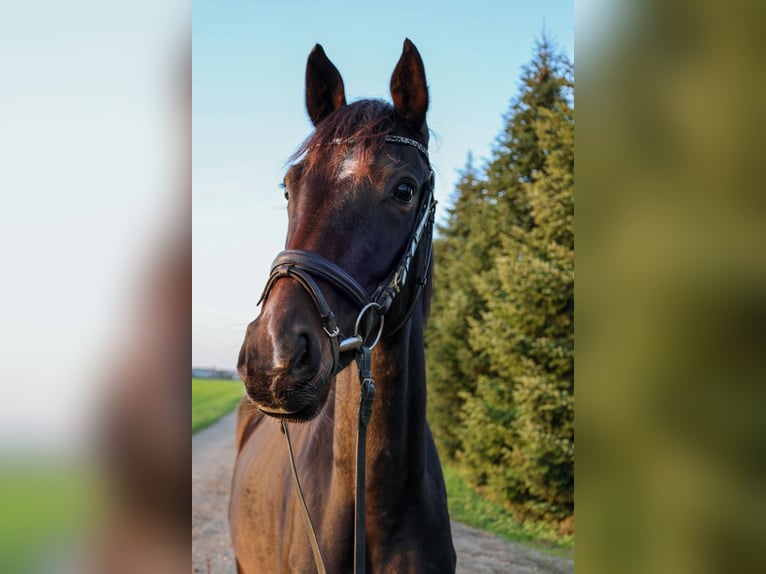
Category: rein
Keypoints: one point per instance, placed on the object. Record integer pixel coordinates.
(302, 266)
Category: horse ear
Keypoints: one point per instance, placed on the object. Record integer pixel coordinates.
(408, 88)
(324, 86)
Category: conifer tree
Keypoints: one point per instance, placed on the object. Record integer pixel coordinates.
(517, 440)
(459, 254)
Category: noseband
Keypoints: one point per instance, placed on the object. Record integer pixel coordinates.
(302, 266)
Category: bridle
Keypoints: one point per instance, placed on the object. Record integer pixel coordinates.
(302, 266)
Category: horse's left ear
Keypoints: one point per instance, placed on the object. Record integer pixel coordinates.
(408, 88)
(324, 86)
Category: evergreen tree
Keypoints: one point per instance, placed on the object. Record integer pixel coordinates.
(517, 440)
(500, 342)
(459, 254)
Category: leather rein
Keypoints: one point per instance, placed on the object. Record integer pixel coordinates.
(302, 266)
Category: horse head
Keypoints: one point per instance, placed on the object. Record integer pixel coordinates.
(357, 191)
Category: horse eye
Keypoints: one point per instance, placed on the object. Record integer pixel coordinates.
(404, 192)
(286, 193)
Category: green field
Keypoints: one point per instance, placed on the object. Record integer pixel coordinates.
(213, 398)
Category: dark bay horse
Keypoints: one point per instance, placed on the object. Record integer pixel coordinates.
(360, 209)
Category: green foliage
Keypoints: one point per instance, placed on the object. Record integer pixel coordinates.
(211, 399)
(502, 330)
(459, 254)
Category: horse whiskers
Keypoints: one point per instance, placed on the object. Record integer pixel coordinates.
(324, 416)
(342, 399)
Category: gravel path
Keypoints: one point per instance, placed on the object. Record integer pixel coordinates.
(213, 452)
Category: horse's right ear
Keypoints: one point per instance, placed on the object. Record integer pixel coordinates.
(324, 86)
(408, 88)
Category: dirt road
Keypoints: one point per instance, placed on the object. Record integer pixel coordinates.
(212, 459)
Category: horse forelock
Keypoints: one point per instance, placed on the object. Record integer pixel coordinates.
(346, 142)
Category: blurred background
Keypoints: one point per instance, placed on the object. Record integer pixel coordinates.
(95, 245)
(670, 291)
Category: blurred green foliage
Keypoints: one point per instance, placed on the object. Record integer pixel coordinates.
(671, 289)
(500, 344)
(44, 508)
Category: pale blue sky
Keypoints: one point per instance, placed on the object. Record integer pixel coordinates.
(249, 115)
(93, 164)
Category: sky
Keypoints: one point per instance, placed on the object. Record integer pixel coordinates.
(248, 116)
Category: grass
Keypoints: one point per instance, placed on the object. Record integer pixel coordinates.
(468, 507)
(213, 398)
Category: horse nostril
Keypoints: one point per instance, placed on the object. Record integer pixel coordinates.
(303, 353)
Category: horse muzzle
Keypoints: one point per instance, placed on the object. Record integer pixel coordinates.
(286, 367)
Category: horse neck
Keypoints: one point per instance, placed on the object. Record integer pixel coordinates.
(396, 433)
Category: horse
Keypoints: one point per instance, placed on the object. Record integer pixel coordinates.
(357, 261)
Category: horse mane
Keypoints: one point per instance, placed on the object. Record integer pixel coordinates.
(363, 124)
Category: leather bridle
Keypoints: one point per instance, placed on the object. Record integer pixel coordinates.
(303, 266)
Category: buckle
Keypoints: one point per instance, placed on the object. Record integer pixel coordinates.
(335, 332)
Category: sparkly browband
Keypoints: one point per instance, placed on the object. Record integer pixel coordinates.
(397, 140)
(407, 141)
